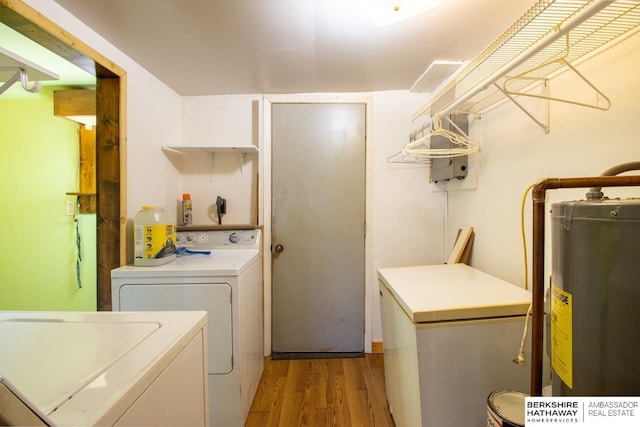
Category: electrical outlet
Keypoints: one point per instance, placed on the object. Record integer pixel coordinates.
(69, 208)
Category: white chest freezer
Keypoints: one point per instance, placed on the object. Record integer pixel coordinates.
(449, 332)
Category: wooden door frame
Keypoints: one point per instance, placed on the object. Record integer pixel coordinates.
(110, 133)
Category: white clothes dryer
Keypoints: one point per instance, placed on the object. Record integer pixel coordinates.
(227, 284)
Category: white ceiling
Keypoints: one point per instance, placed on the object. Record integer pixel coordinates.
(212, 47)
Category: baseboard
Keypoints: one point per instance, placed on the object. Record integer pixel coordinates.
(376, 347)
(312, 355)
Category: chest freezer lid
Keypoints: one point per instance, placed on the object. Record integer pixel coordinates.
(450, 292)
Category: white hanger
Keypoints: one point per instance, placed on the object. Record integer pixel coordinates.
(400, 157)
(421, 147)
(562, 61)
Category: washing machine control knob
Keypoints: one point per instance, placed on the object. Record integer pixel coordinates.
(235, 237)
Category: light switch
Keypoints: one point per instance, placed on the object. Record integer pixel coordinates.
(70, 207)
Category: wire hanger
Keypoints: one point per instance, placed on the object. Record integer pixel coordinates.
(563, 62)
(401, 157)
(421, 147)
(21, 76)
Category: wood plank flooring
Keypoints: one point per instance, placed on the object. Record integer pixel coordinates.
(321, 392)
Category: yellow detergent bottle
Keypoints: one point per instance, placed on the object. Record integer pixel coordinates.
(154, 238)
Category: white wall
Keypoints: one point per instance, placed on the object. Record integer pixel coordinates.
(221, 121)
(407, 211)
(153, 119)
(517, 153)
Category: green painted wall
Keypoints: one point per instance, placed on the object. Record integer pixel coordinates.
(38, 166)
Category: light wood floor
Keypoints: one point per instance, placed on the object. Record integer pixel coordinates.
(321, 392)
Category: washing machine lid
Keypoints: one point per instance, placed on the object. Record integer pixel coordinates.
(76, 367)
(49, 361)
(451, 292)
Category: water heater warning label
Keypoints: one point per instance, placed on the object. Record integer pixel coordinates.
(562, 335)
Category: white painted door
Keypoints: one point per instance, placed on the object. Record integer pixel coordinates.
(318, 222)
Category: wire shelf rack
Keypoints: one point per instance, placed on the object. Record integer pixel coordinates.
(516, 51)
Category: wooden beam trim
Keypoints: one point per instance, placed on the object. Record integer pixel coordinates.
(76, 51)
(123, 169)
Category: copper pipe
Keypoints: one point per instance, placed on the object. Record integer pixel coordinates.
(596, 192)
(539, 198)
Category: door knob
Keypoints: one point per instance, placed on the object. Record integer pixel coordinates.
(278, 248)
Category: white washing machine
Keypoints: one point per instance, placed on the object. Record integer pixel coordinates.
(86, 369)
(227, 284)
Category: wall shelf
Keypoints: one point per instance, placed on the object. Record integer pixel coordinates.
(190, 149)
(242, 152)
(209, 227)
(14, 68)
(533, 46)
